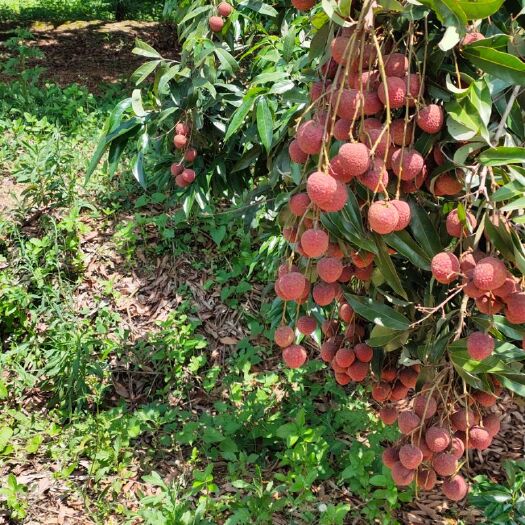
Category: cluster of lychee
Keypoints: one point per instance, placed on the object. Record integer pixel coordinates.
(435, 438)
(183, 176)
(216, 22)
(485, 279)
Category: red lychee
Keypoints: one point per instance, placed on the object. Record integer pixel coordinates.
(413, 84)
(344, 357)
(430, 118)
(294, 356)
(396, 65)
(363, 352)
(188, 176)
(396, 89)
(447, 184)
(424, 406)
(346, 314)
(339, 49)
(190, 155)
(492, 424)
(516, 307)
(299, 204)
(455, 488)
(182, 128)
(350, 102)
(399, 391)
(445, 267)
(403, 210)
(426, 479)
(444, 464)
(408, 421)
(176, 168)
(455, 227)
(306, 324)
(371, 103)
(356, 156)
(291, 285)
(314, 242)
(388, 415)
(225, 9)
(489, 273)
(407, 163)
(180, 141)
(398, 134)
(284, 336)
(485, 399)
(361, 259)
(376, 178)
(410, 456)
(216, 23)
(479, 438)
(323, 293)
(401, 475)
(457, 447)
(390, 456)
(471, 37)
(382, 217)
(381, 392)
(297, 155)
(462, 419)
(310, 137)
(488, 304)
(480, 345)
(328, 350)
(330, 327)
(358, 371)
(342, 129)
(437, 439)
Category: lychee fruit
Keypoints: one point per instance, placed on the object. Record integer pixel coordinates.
(339, 49)
(390, 456)
(290, 234)
(437, 439)
(462, 419)
(413, 84)
(225, 9)
(388, 374)
(485, 399)
(447, 184)
(346, 314)
(176, 168)
(329, 327)
(492, 424)
(489, 305)
(342, 129)
(426, 479)
(190, 154)
(479, 438)
(358, 371)
(299, 204)
(445, 267)
(356, 156)
(284, 336)
(444, 464)
(182, 128)
(347, 274)
(388, 415)
(396, 65)
(376, 178)
(430, 118)
(398, 134)
(516, 307)
(489, 273)
(401, 475)
(407, 163)
(325, 191)
(361, 259)
(323, 293)
(403, 210)
(371, 103)
(294, 356)
(457, 447)
(381, 392)
(297, 155)
(292, 285)
(310, 137)
(180, 182)
(408, 377)
(471, 37)
(410, 456)
(314, 242)
(188, 176)
(344, 357)
(382, 217)
(399, 391)
(378, 141)
(342, 378)
(216, 23)
(455, 488)
(363, 352)
(425, 406)
(180, 141)
(306, 324)
(455, 227)
(328, 350)
(395, 91)
(408, 421)
(508, 287)
(480, 345)
(350, 102)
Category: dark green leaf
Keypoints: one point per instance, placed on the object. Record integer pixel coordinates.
(497, 63)
(477, 10)
(423, 230)
(238, 117)
(387, 268)
(502, 155)
(258, 7)
(403, 243)
(265, 123)
(378, 313)
(145, 50)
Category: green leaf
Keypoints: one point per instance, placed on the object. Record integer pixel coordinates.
(5, 436)
(142, 72)
(513, 381)
(378, 313)
(318, 43)
(228, 62)
(258, 7)
(423, 230)
(403, 243)
(387, 268)
(502, 155)
(500, 237)
(145, 50)
(265, 123)
(476, 10)
(238, 117)
(497, 63)
(138, 169)
(195, 12)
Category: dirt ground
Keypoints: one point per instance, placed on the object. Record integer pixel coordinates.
(96, 52)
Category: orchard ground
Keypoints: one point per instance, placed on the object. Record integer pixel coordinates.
(138, 384)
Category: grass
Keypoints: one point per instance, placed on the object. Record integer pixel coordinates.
(67, 10)
(146, 417)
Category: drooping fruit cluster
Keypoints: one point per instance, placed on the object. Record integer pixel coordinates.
(436, 438)
(183, 176)
(216, 22)
(373, 154)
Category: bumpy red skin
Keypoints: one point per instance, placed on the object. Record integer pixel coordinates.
(396, 89)
(350, 103)
(303, 5)
(492, 424)
(190, 155)
(462, 419)
(310, 137)
(426, 479)
(314, 242)
(294, 356)
(306, 324)
(342, 129)
(516, 307)
(407, 163)
(430, 119)
(424, 406)
(437, 439)
(325, 191)
(225, 9)
(480, 345)
(216, 24)
(299, 204)
(398, 134)
(323, 294)
(447, 184)
(284, 336)
(188, 176)
(180, 141)
(403, 209)
(376, 178)
(344, 357)
(356, 156)
(176, 169)
(361, 259)
(455, 488)
(297, 155)
(382, 217)
(444, 464)
(445, 267)
(292, 285)
(408, 421)
(410, 456)
(402, 476)
(396, 65)
(329, 269)
(490, 273)
(346, 314)
(358, 371)
(381, 392)
(479, 438)
(390, 456)
(413, 84)
(388, 415)
(454, 226)
(182, 128)
(338, 49)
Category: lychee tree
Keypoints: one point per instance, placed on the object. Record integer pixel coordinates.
(394, 133)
